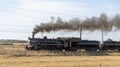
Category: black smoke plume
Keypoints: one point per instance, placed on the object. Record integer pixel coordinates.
(74, 24)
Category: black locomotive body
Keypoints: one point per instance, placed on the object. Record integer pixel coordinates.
(70, 44)
(87, 45)
(62, 43)
(111, 45)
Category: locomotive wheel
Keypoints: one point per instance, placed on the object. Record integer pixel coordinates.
(91, 50)
(119, 50)
(87, 50)
(36, 48)
(63, 50)
(26, 48)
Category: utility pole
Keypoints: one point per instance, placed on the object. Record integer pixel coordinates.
(42, 34)
(80, 30)
(102, 34)
(33, 34)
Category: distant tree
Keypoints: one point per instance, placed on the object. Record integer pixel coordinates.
(109, 39)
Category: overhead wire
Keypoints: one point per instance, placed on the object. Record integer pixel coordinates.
(14, 25)
(34, 10)
(39, 10)
(14, 32)
(4, 10)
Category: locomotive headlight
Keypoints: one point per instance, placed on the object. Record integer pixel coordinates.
(28, 41)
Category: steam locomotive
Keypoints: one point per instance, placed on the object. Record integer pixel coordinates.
(70, 44)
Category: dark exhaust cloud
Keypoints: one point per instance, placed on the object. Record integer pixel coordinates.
(74, 24)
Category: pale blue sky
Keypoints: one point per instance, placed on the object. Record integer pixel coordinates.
(18, 17)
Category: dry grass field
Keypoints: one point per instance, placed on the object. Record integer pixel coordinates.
(16, 56)
(60, 61)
